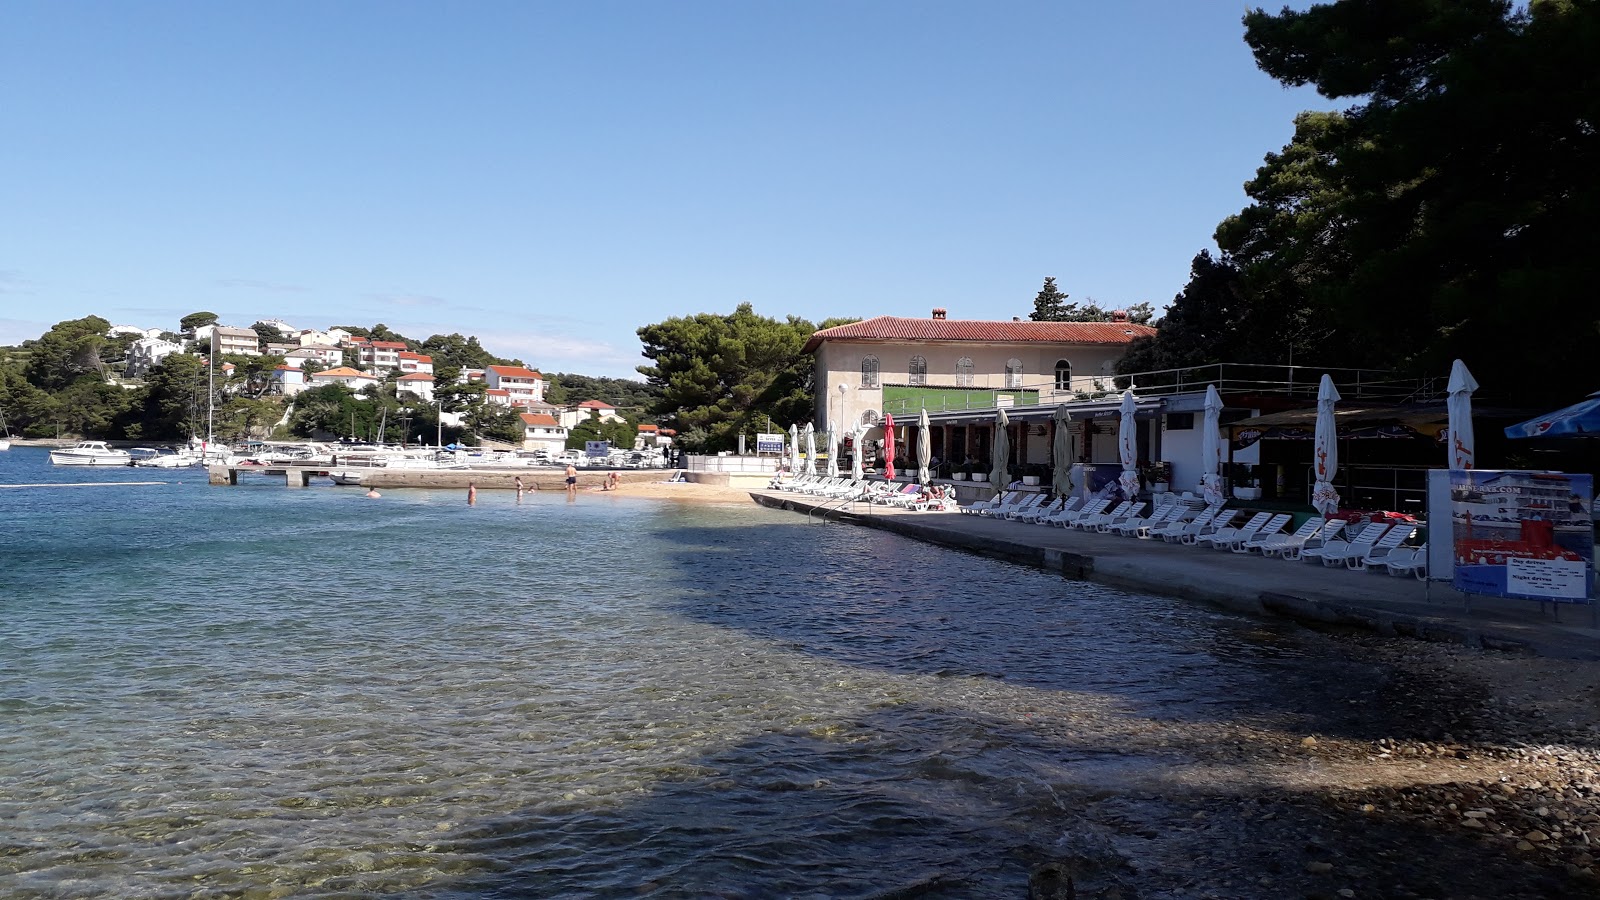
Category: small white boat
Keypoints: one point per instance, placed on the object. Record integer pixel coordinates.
(150, 458)
(90, 453)
(4, 444)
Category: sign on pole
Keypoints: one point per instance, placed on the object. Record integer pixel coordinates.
(769, 443)
(1528, 535)
(597, 448)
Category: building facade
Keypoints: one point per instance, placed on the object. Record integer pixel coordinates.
(900, 365)
(518, 382)
(238, 341)
(543, 432)
(145, 353)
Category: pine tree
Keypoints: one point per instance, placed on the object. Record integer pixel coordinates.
(1051, 304)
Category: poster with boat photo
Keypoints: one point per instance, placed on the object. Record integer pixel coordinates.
(1528, 535)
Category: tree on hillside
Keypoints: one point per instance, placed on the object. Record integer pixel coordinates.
(175, 398)
(460, 352)
(623, 393)
(717, 373)
(68, 351)
(266, 334)
(196, 320)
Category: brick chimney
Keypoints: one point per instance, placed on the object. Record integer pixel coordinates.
(938, 312)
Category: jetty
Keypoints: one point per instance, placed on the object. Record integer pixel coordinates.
(542, 478)
(1247, 583)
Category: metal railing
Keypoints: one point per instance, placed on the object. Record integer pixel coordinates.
(1299, 382)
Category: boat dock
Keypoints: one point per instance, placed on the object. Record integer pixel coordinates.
(540, 479)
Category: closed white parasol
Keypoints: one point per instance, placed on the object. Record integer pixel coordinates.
(1325, 459)
(1463, 444)
(1061, 478)
(833, 453)
(857, 470)
(1128, 446)
(811, 449)
(1001, 457)
(794, 449)
(924, 447)
(1211, 449)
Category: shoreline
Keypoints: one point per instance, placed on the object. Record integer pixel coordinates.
(1311, 596)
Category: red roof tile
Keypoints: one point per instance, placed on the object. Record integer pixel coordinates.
(895, 328)
(387, 345)
(648, 427)
(419, 357)
(342, 372)
(416, 376)
(515, 372)
(595, 404)
(538, 419)
(498, 392)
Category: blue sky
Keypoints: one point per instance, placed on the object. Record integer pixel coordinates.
(551, 176)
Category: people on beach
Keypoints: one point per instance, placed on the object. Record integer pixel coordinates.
(612, 481)
(472, 493)
(519, 488)
(572, 481)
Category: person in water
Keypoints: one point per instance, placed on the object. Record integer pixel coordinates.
(572, 480)
(519, 488)
(372, 494)
(472, 493)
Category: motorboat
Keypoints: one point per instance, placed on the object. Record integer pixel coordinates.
(149, 457)
(90, 453)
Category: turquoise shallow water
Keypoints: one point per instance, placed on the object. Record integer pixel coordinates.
(258, 691)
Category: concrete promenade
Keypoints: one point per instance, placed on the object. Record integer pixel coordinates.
(1303, 591)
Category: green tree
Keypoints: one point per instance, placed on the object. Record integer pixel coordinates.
(68, 351)
(1451, 210)
(175, 398)
(716, 373)
(460, 352)
(1051, 304)
(266, 334)
(196, 320)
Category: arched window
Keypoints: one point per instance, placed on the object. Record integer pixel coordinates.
(1063, 375)
(919, 370)
(869, 372)
(870, 418)
(964, 372)
(1013, 373)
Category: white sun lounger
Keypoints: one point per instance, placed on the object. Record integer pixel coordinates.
(1015, 500)
(1090, 522)
(1070, 508)
(1093, 507)
(1119, 521)
(1164, 515)
(1042, 510)
(1404, 561)
(1265, 533)
(1334, 553)
(1173, 530)
(1223, 520)
(1391, 541)
(1032, 502)
(1274, 544)
(1224, 537)
(978, 506)
(1291, 548)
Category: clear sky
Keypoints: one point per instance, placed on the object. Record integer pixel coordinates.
(551, 176)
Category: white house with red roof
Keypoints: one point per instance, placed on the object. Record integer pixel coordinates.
(379, 356)
(541, 431)
(497, 396)
(419, 384)
(518, 382)
(943, 363)
(289, 380)
(651, 437)
(353, 379)
(416, 362)
(589, 409)
(322, 355)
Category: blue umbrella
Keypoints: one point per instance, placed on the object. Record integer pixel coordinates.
(1581, 419)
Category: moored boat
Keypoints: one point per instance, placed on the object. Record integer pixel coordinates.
(90, 453)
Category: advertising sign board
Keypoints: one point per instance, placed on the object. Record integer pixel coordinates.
(1528, 535)
(769, 443)
(597, 448)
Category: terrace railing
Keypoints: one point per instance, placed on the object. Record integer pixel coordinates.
(1300, 382)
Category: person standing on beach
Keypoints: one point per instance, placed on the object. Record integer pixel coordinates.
(572, 482)
(472, 493)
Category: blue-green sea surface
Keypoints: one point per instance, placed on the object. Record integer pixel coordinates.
(258, 691)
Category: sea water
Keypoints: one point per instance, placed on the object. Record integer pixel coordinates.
(260, 691)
